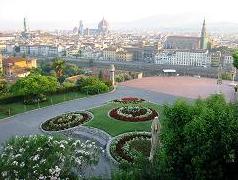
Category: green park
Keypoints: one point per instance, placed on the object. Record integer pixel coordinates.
(92, 127)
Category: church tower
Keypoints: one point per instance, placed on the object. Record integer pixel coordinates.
(203, 38)
(80, 29)
(25, 28)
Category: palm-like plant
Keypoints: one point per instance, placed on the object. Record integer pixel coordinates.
(58, 65)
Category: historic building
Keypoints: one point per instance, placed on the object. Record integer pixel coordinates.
(80, 29)
(117, 54)
(188, 42)
(203, 38)
(103, 27)
(18, 67)
(25, 33)
(182, 42)
(215, 58)
(184, 57)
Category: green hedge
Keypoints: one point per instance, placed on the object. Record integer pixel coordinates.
(95, 89)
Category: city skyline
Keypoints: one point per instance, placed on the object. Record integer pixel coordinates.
(65, 15)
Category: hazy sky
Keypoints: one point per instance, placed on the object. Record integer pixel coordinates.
(67, 13)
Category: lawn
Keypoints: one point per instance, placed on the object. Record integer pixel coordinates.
(116, 127)
(16, 108)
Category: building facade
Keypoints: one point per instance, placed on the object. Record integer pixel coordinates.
(183, 57)
(103, 27)
(188, 42)
(182, 42)
(216, 58)
(117, 54)
(18, 67)
(36, 50)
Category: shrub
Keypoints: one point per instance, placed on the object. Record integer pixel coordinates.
(88, 81)
(95, 89)
(34, 85)
(200, 140)
(108, 83)
(3, 86)
(92, 85)
(45, 157)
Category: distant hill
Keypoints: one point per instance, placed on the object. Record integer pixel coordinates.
(180, 22)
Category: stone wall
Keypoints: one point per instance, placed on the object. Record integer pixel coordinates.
(150, 69)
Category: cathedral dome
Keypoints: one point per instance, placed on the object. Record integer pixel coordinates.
(103, 27)
(103, 23)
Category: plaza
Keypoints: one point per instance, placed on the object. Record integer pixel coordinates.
(156, 90)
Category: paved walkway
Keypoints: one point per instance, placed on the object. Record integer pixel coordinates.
(191, 87)
(29, 122)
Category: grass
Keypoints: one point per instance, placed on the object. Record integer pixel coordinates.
(115, 127)
(10, 109)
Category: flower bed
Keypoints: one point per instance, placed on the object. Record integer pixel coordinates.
(127, 147)
(46, 157)
(66, 121)
(127, 100)
(133, 113)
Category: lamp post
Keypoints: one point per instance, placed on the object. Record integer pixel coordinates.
(112, 74)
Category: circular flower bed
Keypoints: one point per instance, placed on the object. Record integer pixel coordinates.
(46, 157)
(127, 100)
(133, 113)
(127, 147)
(66, 121)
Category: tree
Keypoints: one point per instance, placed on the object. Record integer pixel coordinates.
(34, 87)
(71, 70)
(3, 86)
(35, 71)
(91, 85)
(46, 68)
(200, 140)
(235, 59)
(58, 65)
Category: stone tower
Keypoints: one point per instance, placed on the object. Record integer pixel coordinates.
(80, 29)
(203, 40)
(25, 28)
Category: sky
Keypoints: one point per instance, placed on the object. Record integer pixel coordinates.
(67, 13)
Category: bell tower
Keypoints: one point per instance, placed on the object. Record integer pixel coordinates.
(203, 38)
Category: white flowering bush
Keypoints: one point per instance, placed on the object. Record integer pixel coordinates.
(46, 157)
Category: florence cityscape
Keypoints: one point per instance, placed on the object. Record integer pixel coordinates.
(121, 90)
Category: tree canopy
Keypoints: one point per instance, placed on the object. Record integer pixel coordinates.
(199, 140)
(34, 85)
(58, 65)
(235, 59)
